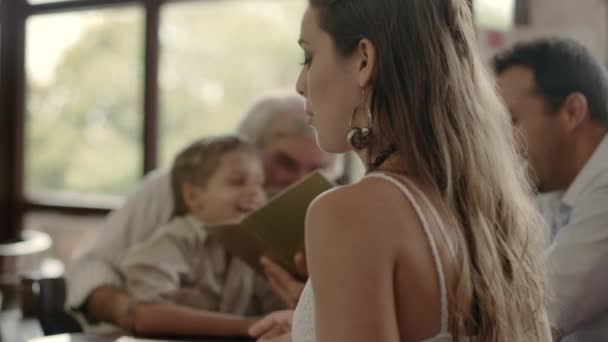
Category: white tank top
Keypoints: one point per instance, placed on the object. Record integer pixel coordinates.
(303, 325)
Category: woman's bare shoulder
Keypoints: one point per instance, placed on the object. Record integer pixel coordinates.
(371, 210)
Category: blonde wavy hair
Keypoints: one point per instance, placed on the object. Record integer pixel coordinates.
(433, 99)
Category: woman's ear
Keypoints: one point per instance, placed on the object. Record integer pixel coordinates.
(365, 55)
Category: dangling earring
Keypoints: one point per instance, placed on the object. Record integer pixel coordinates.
(360, 138)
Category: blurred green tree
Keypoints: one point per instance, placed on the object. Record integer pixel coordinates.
(84, 126)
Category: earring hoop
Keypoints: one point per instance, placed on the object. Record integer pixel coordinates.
(360, 137)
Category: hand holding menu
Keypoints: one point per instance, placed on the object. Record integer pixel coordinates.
(275, 230)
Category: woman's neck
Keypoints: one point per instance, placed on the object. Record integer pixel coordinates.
(389, 162)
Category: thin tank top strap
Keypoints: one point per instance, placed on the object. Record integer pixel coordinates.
(432, 243)
(436, 216)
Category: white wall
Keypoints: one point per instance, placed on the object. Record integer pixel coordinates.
(583, 20)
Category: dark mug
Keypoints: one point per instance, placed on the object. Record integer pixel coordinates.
(41, 295)
(28, 296)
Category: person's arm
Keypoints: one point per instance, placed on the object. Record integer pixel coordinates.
(142, 213)
(578, 271)
(163, 319)
(110, 304)
(86, 280)
(154, 271)
(99, 267)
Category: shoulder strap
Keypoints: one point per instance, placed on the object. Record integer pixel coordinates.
(432, 243)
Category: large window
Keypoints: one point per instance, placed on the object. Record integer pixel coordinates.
(83, 124)
(85, 90)
(494, 14)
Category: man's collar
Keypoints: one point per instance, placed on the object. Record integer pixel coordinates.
(597, 164)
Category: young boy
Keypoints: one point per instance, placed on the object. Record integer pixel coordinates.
(182, 281)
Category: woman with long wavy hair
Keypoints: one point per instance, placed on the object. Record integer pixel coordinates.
(440, 241)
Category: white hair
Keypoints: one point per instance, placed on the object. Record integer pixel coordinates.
(280, 114)
(274, 115)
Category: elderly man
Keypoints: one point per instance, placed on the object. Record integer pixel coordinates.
(276, 124)
(557, 95)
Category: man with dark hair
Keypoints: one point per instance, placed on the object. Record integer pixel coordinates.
(557, 94)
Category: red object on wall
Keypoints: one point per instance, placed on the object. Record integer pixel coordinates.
(495, 39)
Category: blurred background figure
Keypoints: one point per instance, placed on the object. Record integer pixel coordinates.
(556, 93)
